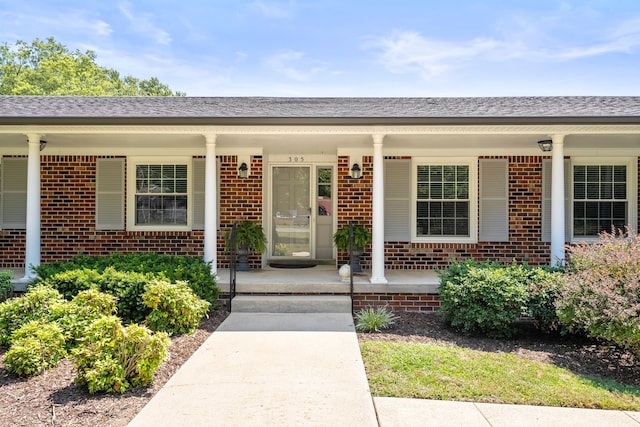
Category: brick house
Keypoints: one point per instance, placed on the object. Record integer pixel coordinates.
(440, 178)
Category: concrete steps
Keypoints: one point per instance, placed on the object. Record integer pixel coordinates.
(291, 304)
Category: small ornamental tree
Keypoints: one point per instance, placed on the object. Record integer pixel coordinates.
(601, 293)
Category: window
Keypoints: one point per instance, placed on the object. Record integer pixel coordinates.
(600, 199)
(161, 195)
(445, 202)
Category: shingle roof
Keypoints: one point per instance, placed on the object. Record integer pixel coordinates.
(219, 110)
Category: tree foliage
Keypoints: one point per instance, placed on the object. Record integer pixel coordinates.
(50, 68)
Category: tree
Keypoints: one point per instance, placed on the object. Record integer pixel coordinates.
(50, 68)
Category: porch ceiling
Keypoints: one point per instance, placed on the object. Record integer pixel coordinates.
(313, 143)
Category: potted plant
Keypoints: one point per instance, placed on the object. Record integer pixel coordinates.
(250, 237)
(361, 238)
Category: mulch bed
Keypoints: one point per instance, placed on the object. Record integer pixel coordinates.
(52, 399)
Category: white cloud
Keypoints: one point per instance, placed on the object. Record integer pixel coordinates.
(273, 9)
(409, 52)
(292, 65)
(142, 23)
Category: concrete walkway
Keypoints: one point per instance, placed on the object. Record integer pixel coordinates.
(269, 370)
(306, 370)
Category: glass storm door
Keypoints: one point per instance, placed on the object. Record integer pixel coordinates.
(291, 212)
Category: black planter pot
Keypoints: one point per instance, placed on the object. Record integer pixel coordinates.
(355, 260)
(243, 259)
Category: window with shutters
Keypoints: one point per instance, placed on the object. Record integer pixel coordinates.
(13, 193)
(160, 194)
(602, 197)
(445, 200)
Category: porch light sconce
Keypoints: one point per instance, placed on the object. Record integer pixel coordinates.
(243, 170)
(43, 144)
(356, 172)
(545, 145)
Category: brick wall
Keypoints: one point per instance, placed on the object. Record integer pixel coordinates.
(240, 200)
(354, 201)
(525, 219)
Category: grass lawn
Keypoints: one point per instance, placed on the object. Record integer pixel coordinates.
(428, 371)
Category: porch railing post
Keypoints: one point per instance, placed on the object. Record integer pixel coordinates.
(351, 262)
(232, 264)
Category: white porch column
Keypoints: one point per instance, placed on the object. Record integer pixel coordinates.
(557, 200)
(32, 245)
(377, 241)
(210, 203)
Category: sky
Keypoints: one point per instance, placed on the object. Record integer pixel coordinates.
(350, 47)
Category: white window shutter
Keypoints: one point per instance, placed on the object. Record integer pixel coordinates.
(494, 200)
(197, 221)
(546, 200)
(397, 200)
(14, 193)
(110, 194)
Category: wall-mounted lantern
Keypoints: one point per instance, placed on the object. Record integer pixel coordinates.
(356, 172)
(43, 144)
(545, 145)
(243, 170)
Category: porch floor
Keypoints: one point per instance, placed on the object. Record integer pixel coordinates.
(325, 279)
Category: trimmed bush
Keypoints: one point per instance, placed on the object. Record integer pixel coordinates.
(70, 282)
(172, 267)
(601, 294)
(75, 316)
(113, 358)
(36, 346)
(374, 319)
(34, 305)
(175, 309)
(6, 286)
(488, 298)
(128, 288)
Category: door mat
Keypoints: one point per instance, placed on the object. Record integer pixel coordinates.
(292, 264)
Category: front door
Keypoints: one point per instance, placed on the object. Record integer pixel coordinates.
(291, 212)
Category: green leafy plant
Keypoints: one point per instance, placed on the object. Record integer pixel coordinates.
(70, 282)
(249, 234)
(36, 346)
(113, 358)
(128, 288)
(361, 237)
(484, 300)
(175, 309)
(601, 292)
(191, 269)
(75, 316)
(374, 319)
(34, 305)
(6, 285)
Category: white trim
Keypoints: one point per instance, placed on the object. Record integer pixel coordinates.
(472, 162)
(632, 188)
(132, 162)
(326, 130)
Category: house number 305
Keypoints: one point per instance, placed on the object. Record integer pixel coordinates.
(296, 159)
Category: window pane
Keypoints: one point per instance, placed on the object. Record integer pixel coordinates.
(449, 174)
(463, 191)
(422, 209)
(620, 173)
(435, 227)
(579, 174)
(422, 227)
(449, 191)
(436, 191)
(435, 209)
(423, 173)
(462, 227)
(462, 173)
(620, 191)
(423, 190)
(606, 190)
(593, 173)
(606, 173)
(579, 209)
(579, 190)
(593, 191)
(462, 210)
(435, 174)
(449, 227)
(620, 210)
(606, 210)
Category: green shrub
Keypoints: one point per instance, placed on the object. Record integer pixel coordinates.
(172, 267)
(33, 305)
(70, 282)
(601, 294)
(544, 290)
(175, 308)
(113, 357)
(374, 319)
(128, 288)
(75, 316)
(6, 284)
(36, 346)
